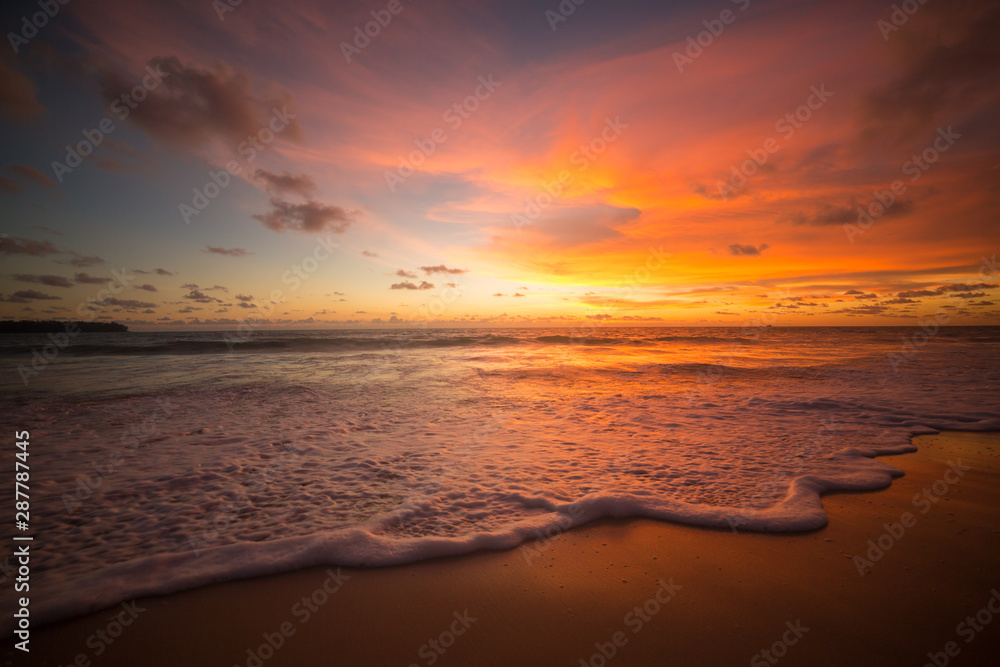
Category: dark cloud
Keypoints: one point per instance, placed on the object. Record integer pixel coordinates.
(128, 304)
(230, 252)
(949, 54)
(13, 245)
(285, 183)
(87, 279)
(147, 287)
(34, 294)
(51, 281)
(909, 294)
(827, 214)
(164, 272)
(406, 284)
(964, 287)
(871, 309)
(441, 268)
(32, 174)
(747, 250)
(194, 106)
(200, 297)
(405, 274)
(18, 96)
(309, 217)
(11, 187)
(80, 261)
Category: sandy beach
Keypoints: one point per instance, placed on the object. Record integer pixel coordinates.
(629, 592)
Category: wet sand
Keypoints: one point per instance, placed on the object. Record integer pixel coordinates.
(638, 591)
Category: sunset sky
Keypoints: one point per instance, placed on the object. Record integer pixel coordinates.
(501, 163)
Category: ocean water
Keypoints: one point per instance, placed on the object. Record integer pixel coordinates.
(162, 461)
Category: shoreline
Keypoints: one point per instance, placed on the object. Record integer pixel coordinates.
(634, 590)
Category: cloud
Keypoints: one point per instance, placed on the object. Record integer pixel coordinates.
(80, 261)
(285, 183)
(34, 294)
(11, 187)
(405, 274)
(369, 253)
(230, 252)
(828, 214)
(441, 268)
(194, 106)
(200, 297)
(87, 279)
(406, 284)
(309, 217)
(909, 294)
(129, 304)
(18, 96)
(739, 249)
(147, 287)
(964, 287)
(949, 55)
(51, 281)
(32, 174)
(14, 245)
(164, 272)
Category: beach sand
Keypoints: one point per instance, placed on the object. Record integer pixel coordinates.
(561, 601)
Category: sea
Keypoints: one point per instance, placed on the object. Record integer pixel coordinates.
(165, 461)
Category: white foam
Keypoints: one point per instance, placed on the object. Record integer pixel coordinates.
(301, 459)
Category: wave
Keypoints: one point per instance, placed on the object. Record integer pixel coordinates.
(801, 509)
(237, 343)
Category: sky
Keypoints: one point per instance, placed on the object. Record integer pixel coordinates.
(196, 164)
